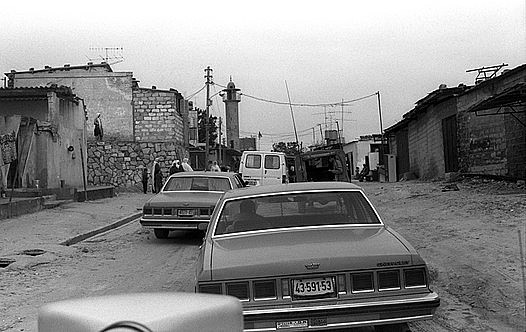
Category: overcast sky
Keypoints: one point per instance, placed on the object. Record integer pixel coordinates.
(326, 51)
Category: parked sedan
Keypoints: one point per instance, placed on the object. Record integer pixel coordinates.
(312, 255)
(186, 200)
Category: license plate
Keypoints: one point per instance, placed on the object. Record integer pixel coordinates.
(292, 324)
(252, 182)
(185, 212)
(313, 287)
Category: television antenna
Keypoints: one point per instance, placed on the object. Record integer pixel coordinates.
(110, 55)
(485, 73)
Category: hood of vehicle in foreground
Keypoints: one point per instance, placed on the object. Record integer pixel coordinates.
(178, 198)
(305, 251)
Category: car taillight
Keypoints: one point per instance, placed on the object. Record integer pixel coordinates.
(389, 280)
(238, 289)
(265, 290)
(285, 289)
(211, 288)
(362, 282)
(415, 278)
(342, 286)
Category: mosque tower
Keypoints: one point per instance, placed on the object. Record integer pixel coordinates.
(231, 98)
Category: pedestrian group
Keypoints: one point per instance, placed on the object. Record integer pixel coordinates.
(176, 167)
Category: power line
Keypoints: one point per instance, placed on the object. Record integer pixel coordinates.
(304, 104)
(193, 94)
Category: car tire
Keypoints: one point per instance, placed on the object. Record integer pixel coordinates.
(392, 328)
(161, 233)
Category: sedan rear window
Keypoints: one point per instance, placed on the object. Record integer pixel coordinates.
(197, 183)
(295, 210)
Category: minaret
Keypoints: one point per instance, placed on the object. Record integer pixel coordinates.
(231, 98)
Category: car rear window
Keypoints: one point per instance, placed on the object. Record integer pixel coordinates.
(197, 183)
(295, 210)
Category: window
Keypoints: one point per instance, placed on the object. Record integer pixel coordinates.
(272, 162)
(297, 210)
(197, 183)
(253, 161)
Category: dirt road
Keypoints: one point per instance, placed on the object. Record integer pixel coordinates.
(470, 241)
(468, 237)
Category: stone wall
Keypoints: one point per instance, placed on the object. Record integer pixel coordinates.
(119, 164)
(157, 116)
(492, 144)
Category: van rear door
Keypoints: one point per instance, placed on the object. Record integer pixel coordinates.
(252, 165)
(273, 168)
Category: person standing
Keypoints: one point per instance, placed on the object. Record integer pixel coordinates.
(144, 179)
(98, 131)
(336, 168)
(215, 167)
(157, 176)
(186, 166)
(176, 167)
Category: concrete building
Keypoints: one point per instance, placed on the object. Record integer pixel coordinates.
(103, 91)
(424, 142)
(478, 129)
(42, 137)
(359, 149)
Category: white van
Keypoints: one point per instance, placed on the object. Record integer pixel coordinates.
(263, 167)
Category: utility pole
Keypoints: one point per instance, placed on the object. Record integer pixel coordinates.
(292, 115)
(381, 161)
(220, 159)
(341, 142)
(208, 77)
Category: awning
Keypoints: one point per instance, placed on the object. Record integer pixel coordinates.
(510, 101)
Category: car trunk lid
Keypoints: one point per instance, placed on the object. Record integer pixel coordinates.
(299, 251)
(174, 199)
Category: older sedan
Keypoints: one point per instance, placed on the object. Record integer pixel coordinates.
(186, 200)
(307, 256)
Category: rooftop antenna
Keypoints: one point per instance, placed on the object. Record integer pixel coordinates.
(110, 55)
(485, 73)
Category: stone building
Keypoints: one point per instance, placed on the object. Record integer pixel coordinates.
(42, 137)
(139, 124)
(492, 126)
(478, 129)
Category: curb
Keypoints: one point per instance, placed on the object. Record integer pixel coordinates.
(120, 222)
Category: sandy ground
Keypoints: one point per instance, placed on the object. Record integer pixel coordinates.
(469, 238)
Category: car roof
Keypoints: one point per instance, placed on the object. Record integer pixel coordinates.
(288, 187)
(205, 174)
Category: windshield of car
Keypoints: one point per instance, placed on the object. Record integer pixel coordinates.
(197, 183)
(295, 210)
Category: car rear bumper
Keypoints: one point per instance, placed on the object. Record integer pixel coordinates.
(177, 224)
(341, 315)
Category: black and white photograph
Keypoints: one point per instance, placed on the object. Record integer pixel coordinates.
(263, 166)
